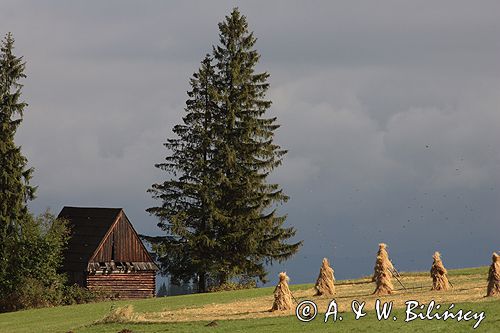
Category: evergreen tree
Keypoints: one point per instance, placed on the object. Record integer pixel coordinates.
(252, 233)
(15, 190)
(30, 247)
(218, 209)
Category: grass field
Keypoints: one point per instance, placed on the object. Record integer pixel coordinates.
(246, 310)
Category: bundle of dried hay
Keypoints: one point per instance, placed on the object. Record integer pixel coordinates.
(494, 276)
(282, 294)
(382, 252)
(383, 272)
(439, 274)
(324, 283)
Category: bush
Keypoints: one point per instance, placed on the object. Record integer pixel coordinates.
(33, 280)
(32, 261)
(77, 295)
(33, 294)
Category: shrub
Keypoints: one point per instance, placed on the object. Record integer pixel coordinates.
(33, 294)
(77, 295)
(33, 261)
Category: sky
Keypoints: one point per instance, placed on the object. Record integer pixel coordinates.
(389, 110)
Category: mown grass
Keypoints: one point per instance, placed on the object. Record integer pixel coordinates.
(84, 318)
(290, 324)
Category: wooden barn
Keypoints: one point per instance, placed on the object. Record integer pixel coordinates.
(106, 253)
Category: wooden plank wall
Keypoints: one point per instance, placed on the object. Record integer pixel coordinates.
(125, 285)
(128, 246)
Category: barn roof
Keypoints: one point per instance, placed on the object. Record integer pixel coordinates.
(89, 226)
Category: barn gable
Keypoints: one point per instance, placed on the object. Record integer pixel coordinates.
(122, 246)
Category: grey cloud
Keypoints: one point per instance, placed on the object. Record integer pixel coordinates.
(389, 111)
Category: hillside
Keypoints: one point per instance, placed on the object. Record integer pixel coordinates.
(246, 310)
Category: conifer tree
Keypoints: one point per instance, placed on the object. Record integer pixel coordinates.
(218, 210)
(252, 232)
(30, 247)
(15, 190)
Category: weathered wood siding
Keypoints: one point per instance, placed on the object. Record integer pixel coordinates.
(127, 246)
(125, 285)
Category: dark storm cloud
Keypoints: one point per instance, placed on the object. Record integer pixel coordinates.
(389, 110)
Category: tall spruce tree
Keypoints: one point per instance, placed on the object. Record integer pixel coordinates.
(15, 190)
(218, 209)
(252, 232)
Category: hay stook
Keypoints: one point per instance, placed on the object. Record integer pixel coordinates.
(494, 276)
(383, 272)
(439, 274)
(325, 282)
(382, 252)
(282, 294)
